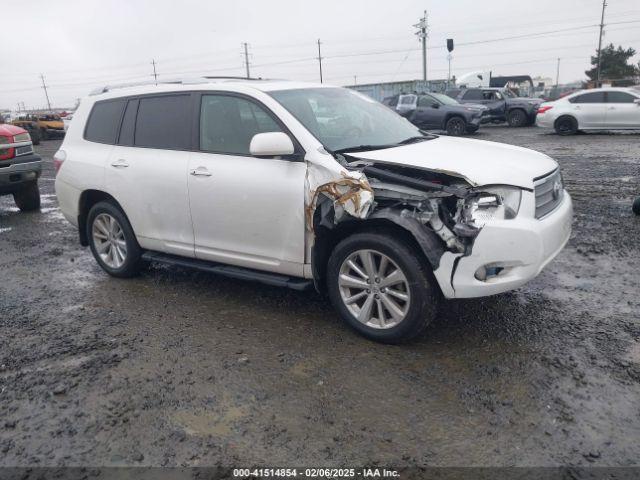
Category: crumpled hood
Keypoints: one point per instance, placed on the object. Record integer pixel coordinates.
(477, 161)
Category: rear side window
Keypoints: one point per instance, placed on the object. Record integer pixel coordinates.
(620, 97)
(592, 97)
(473, 95)
(104, 121)
(228, 123)
(163, 122)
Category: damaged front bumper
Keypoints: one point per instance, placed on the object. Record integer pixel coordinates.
(506, 254)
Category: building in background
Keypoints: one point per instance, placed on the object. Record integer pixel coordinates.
(380, 91)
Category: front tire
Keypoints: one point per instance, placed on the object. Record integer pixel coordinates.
(517, 118)
(381, 287)
(456, 126)
(112, 241)
(566, 125)
(28, 198)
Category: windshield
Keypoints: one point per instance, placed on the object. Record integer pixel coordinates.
(340, 118)
(444, 99)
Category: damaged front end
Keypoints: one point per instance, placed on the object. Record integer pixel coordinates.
(443, 212)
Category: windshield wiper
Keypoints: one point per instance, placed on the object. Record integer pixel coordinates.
(415, 139)
(363, 148)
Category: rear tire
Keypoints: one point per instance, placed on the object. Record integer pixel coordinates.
(35, 137)
(456, 126)
(517, 118)
(397, 310)
(28, 198)
(636, 206)
(112, 241)
(566, 125)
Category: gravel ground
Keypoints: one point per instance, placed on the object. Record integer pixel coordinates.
(181, 368)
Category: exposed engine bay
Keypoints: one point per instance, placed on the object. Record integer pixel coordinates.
(442, 211)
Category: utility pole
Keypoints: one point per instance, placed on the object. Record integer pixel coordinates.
(604, 4)
(355, 79)
(320, 59)
(155, 75)
(45, 91)
(558, 73)
(246, 58)
(423, 33)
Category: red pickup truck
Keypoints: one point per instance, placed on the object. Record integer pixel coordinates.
(20, 167)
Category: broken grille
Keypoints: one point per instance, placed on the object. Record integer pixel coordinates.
(549, 191)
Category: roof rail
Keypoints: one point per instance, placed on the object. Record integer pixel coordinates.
(174, 81)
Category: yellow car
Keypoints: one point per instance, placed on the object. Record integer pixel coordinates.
(48, 125)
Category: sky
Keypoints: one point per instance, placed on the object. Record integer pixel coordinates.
(79, 45)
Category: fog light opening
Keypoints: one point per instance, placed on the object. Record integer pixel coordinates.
(488, 272)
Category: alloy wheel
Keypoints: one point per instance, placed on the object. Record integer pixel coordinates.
(374, 289)
(109, 240)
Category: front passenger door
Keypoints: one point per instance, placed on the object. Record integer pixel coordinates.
(590, 109)
(246, 211)
(622, 111)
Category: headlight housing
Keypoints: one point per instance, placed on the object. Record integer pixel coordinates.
(495, 203)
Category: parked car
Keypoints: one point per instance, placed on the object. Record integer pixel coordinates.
(66, 121)
(238, 177)
(49, 125)
(503, 104)
(435, 111)
(30, 125)
(597, 109)
(19, 167)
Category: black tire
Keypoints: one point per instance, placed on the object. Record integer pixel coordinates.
(456, 126)
(133, 261)
(566, 125)
(424, 294)
(636, 206)
(28, 198)
(517, 118)
(472, 129)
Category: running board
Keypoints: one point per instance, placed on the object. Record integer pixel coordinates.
(230, 271)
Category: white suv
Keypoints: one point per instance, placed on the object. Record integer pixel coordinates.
(299, 184)
(597, 109)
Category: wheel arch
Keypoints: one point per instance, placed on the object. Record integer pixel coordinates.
(426, 243)
(88, 199)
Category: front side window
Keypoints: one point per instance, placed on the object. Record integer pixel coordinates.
(228, 123)
(163, 122)
(340, 118)
(426, 101)
(592, 97)
(620, 97)
(104, 121)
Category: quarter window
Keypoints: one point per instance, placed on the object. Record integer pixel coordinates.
(228, 123)
(104, 121)
(592, 97)
(163, 122)
(620, 97)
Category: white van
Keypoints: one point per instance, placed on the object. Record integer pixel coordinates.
(299, 184)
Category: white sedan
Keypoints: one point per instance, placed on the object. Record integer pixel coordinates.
(596, 109)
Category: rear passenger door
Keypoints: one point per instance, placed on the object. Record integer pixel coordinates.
(147, 171)
(246, 211)
(589, 109)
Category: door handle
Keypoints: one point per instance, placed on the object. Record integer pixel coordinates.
(120, 164)
(200, 172)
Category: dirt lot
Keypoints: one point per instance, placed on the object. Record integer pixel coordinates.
(184, 368)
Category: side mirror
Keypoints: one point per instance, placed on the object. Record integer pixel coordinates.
(271, 144)
(637, 101)
(435, 105)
